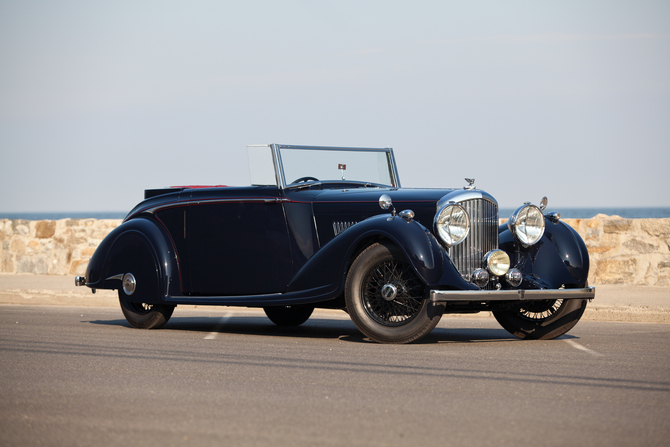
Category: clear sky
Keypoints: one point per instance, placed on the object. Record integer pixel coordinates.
(569, 99)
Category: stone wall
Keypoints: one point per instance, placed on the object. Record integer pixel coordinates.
(623, 251)
(626, 251)
(53, 247)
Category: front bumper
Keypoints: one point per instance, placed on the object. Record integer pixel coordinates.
(440, 296)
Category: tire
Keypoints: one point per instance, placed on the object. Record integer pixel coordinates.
(405, 315)
(134, 264)
(289, 315)
(145, 316)
(541, 320)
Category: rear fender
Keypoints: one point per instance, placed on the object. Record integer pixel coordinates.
(139, 246)
(560, 258)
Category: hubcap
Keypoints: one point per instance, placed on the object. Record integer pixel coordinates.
(129, 283)
(389, 292)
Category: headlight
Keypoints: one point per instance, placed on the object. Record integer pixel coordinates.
(527, 225)
(452, 224)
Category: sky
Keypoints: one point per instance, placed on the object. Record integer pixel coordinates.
(568, 99)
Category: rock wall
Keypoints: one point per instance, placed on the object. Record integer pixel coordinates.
(623, 251)
(626, 251)
(53, 247)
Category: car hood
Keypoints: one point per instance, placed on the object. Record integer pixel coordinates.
(341, 208)
(405, 195)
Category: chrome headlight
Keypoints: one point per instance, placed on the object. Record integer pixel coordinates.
(452, 224)
(527, 225)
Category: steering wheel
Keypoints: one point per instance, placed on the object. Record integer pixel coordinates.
(305, 179)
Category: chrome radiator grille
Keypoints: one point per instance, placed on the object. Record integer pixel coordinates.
(483, 237)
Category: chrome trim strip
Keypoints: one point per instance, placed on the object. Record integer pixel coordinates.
(461, 195)
(333, 148)
(279, 167)
(119, 277)
(438, 296)
(198, 202)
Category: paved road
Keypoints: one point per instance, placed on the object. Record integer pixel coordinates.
(612, 303)
(81, 376)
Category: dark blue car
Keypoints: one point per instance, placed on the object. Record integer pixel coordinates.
(332, 228)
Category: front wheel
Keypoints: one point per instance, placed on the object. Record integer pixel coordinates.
(541, 320)
(386, 299)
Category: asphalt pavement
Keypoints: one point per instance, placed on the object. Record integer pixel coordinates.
(81, 376)
(612, 302)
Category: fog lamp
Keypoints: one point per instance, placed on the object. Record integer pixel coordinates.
(497, 262)
(480, 277)
(514, 277)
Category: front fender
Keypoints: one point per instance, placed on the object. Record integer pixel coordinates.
(142, 244)
(560, 258)
(330, 264)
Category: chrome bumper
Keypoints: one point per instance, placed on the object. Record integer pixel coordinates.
(438, 296)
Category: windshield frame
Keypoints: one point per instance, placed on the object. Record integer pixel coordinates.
(279, 166)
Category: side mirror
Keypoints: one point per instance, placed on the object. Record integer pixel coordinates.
(385, 202)
(543, 203)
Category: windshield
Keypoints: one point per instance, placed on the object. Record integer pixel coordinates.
(302, 164)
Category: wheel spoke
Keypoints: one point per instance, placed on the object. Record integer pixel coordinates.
(140, 308)
(540, 310)
(405, 306)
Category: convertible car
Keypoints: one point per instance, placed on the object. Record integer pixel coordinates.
(331, 227)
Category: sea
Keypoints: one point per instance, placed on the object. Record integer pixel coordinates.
(567, 213)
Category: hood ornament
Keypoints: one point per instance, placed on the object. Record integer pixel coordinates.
(471, 183)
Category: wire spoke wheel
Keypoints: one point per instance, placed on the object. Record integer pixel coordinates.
(140, 308)
(386, 299)
(143, 315)
(541, 319)
(540, 310)
(398, 277)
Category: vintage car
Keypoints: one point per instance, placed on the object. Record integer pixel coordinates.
(331, 227)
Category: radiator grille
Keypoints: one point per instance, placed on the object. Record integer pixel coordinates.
(483, 237)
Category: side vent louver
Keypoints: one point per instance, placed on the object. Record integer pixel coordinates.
(339, 227)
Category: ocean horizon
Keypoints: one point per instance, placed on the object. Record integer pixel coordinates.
(567, 213)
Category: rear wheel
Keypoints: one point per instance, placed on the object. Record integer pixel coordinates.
(289, 315)
(386, 299)
(144, 316)
(541, 320)
(133, 263)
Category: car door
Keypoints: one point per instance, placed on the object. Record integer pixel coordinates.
(231, 246)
